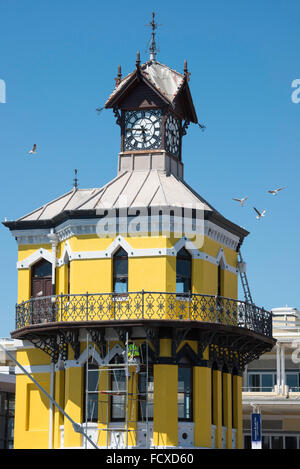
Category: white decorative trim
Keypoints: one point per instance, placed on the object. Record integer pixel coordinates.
(91, 352)
(119, 241)
(79, 227)
(220, 235)
(41, 253)
(33, 369)
(34, 236)
(66, 255)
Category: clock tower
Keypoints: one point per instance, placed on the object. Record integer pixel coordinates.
(153, 107)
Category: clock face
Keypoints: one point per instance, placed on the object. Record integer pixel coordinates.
(142, 130)
(172, 135)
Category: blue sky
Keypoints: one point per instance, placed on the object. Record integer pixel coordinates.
(59, 59)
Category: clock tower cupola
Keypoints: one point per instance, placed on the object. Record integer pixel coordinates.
(153, 106)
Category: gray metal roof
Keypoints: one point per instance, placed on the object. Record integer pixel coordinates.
(133, 189)
(165, 79)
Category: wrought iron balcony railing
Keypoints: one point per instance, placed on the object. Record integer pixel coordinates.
(143, 305)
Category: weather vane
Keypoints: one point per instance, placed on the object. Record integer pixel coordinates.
(152, 47)
(75, 185)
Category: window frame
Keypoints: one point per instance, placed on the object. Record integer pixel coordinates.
(188, 259)
(185, 393)
(88, 367)
(118, 276)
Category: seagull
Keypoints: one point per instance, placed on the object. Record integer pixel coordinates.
(33, 149)
(274, 192)
(260, 215)
(242, 201)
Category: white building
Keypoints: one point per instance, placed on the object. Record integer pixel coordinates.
(272, 386)
(7, 394)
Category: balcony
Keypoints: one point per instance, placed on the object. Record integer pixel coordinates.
(90, 308)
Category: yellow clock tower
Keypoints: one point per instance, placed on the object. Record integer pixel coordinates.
(127, 308)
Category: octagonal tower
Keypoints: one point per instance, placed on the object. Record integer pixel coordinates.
(127, 295)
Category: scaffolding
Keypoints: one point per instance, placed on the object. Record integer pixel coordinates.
(121, 383)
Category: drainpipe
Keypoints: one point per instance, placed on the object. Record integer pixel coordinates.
(53, 240)
(50, 445)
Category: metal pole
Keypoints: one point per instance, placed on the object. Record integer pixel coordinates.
(76, 426)
(87, 387)
(126, 384)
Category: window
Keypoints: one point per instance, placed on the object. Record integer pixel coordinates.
(275, 441)
(7, 411)
(292, 381)
(91, 374)
(118, 388)
(220, 286)
(185, 392)
(261, 382)
(68, 276)
(41, 269)
(120, 271)
(146, 393)
(183, 271)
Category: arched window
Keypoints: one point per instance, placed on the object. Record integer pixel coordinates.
(221, 268)
(41, 279)
(185, 390)
(183, 271)
(120, 271)
(91, 391)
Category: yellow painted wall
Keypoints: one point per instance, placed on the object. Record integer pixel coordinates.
(217, 406)
(31, 412)
(165, 410)
(237, 412)
(202, 406)
(59, 396)
(95, 276)
(148, 273)
(73, 405)
(227, 406)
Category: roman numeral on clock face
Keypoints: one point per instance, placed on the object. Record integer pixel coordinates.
(142, 129)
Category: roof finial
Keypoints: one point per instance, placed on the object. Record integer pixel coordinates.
(138, 59)
(152, 48)
(118, 79)
(185, 71)
(75, 185)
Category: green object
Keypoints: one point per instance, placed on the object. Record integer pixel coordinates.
(133, 351)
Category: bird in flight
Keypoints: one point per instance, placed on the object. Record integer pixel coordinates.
(241, 201)
(33, 149)
(260, 214)
(274, 192)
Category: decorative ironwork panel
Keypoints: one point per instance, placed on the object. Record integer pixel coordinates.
(143, 305)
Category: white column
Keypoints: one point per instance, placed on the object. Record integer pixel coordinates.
(282, 367)
(278, 374)
(245, 379)
(53, 239)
